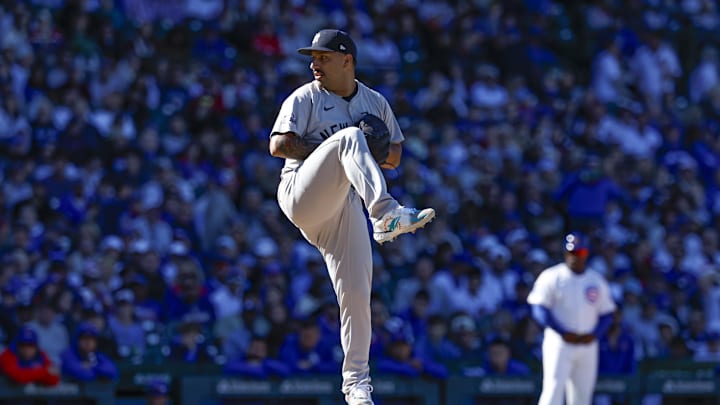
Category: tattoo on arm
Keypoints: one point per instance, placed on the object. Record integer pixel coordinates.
(292, 146)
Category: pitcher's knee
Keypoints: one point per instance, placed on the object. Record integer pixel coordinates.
(353, 134)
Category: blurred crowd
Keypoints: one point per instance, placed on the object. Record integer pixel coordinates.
(139, 223)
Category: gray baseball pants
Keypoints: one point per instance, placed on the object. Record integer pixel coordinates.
(318, 199)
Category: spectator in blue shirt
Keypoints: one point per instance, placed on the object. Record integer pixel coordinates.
(417, 315)
(586, 194)
(499, 359)
(189, 295)
(329, 321)
(517, 305)
(617, 349)
(280, 325)
(53, 337)
(211, 47)
(304, 352)
(616, 355)
(127, 329)
(695, 333)
(399, 357)
(464, 340)
(94, 314)
(44, 130)
(145, 261)
(190, 344)
(83, 362)
(147, 308)
(255, 363)
(433, 344)
(22, 314)
(526, 342)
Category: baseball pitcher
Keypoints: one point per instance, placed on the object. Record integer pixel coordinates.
(335, 133)
(575, 308)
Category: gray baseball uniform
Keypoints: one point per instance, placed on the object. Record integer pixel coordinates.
(324, 194)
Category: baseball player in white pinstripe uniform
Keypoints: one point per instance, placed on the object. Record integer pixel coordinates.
(329, 175)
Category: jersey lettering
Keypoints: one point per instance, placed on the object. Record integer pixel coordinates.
(316, 114)
(325, 133)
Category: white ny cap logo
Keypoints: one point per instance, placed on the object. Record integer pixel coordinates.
(316, 39)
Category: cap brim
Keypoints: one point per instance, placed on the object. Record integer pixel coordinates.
(580, 251)
(308, 50)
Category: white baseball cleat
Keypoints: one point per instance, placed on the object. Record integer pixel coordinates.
(400, 220)
(360, 395)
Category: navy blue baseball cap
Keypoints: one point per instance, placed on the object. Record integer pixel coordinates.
(575, 243)
(331, 41)
(27, 336)
(87, 329)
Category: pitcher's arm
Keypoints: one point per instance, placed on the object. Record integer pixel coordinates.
(290, 146)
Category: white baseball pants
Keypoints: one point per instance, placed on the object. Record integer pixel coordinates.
(569, 371)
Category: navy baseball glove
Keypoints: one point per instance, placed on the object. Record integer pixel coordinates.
(377, 136)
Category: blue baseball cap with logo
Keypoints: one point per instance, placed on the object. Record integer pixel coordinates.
(330, 40)
(576, 243)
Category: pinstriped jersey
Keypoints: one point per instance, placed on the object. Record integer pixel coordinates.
(315, 113)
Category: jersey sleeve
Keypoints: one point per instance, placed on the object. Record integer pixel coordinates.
(396, 135)
(541, 293)
(294, 114)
